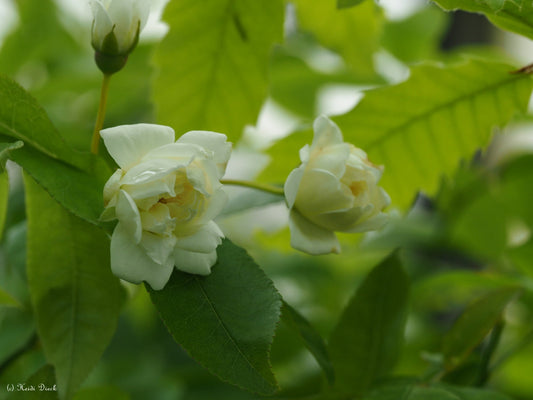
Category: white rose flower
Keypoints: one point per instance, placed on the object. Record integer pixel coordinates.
(118, 22)
(334, 189)
(165, 196)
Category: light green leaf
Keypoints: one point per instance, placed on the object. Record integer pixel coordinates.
(474, 324)
(311, 339)
(366, 342)
(353, 33)
(7, 300)
(512, 15)
(225, 320)
(348, 3)
(75, 297)
(5, 148)
(102, 393)
(213, 63)
(421, 128)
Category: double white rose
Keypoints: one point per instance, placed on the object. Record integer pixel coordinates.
(118, 23)
(165, 196)
(334, 189)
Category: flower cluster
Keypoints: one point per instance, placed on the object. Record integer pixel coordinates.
(165, 195)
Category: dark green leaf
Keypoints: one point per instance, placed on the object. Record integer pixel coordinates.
(365, 344)
(213, 74)
(102, 393)
(226, 320)
(311, 339)
(474, 324)
(40, 386)
(421, 128)
(512, 15)
(16, 331)
(76, 299)
(348, 3)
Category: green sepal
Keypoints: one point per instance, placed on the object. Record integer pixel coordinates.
(109, 64)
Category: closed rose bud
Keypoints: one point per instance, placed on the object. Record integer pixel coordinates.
(334, 189)
(165, 196)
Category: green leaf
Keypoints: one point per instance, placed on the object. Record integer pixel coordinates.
(348, 3)
(213, 74)
(5, 148)
(410, 391)
(40, 386)
(365, 344)
(353, 33)
(75, 297)
(311, 339)
(421, 128)
(16, 330)
(102, 393)
(225, 320)
(474, 324)
(512, 15)
(7, 300)
(417, 37)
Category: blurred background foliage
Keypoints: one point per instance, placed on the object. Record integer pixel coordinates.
(468, 239)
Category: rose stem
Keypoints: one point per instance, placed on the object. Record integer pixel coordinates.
(101, 114)
(254, 185)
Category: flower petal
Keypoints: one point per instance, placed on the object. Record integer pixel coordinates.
(194, 263)
(206, 240)
(127, 144)
(158, 248)
(129, 216)
(310, 238)
(130, 262)
(102, 24)
(326, 133)
(112, 186)
(213, 142)
(292, 184)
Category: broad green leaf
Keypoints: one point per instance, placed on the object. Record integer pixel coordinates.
(75, 189)
(348, 3)
(512, 15)
(40, 386)
(474, 324)
(226, 320)
(410, 391)
(417, 37)
(420, 129)
(75, 297)
(102, 393)
(213, 63)
(13, 271)
(353, 33)
(311, 339)
(16, 331)
(5, 149)
(366, 342)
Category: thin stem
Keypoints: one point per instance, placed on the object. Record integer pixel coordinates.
(101, 114)
(254, 185)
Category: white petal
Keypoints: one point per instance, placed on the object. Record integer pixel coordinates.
(206, 240)
(310, 238)
(121, 13)
(327, 133)
(292, 184)
(183, 153)
(102, 24)
(127, 144)
(371, 224)
(141, 10)
(129, 216)
(130, 262)
(150, 171)
(215, 204)
(112, 186)
(213, 142)
(331, 158)
(194, 263)
(157, 247)
(158, 220)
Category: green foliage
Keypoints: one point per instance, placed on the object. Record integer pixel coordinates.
(474, 324)
(102, 393)
(75, 297)
(312, 340)
(512, 15)
(365, 344)
(213, 74)
(348, 3)
(421, 128)
(41, 386)
(226, 320)
(353, 33)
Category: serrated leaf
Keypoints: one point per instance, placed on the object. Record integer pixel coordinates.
(512, 15)
(365, 344)
(348, 3)
(225, 320)
(213, 63)
(474, 324)
(353, 33)
(311, 339)
(75, 297)
(420, 129)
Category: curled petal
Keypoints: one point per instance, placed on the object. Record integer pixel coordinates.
(194, 263)
(128, 214)
(206, 240)
(310, 238)
(326, 133)
(213, 142)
